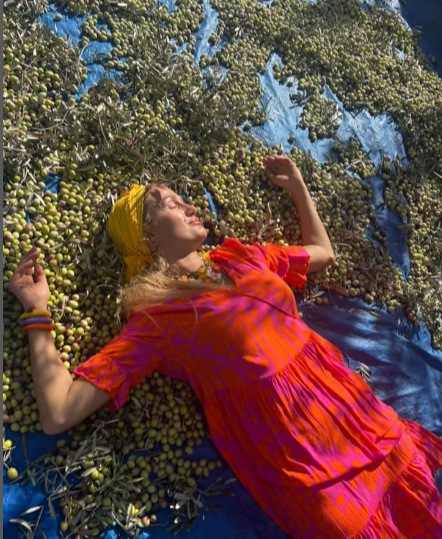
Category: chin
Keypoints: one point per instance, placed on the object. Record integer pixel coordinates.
(203, 233)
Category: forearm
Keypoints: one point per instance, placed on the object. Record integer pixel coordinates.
(52, 380)
(312, 229)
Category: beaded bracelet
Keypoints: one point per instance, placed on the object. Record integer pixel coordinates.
(32, 314)
(40, 326)
(29, 321)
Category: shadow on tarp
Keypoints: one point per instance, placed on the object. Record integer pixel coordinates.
(403, 374)
(406, 372)
(428, 15)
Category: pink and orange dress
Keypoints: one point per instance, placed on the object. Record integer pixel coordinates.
(305, 435)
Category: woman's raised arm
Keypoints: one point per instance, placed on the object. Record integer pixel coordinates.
(61, 402)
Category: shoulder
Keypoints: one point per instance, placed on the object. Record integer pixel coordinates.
(233, 249)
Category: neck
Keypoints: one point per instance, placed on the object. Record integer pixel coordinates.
(186, 264)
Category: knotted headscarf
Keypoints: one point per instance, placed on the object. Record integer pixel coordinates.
(125, 227)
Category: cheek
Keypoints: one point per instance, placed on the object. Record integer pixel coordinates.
(174, 224)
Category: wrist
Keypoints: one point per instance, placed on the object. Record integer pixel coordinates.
(36, 307)
(39, 330)
(294, 185)
(38, 335)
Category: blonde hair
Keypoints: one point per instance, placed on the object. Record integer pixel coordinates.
(155, 286)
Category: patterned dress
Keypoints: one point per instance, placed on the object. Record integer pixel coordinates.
(305, 435)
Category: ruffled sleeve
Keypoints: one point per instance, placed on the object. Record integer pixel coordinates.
(125, 361)
(290, 263)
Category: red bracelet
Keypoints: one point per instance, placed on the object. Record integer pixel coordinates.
(39, 326)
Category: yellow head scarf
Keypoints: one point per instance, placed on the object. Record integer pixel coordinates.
(125, 227)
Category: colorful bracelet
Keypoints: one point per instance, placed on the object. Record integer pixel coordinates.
(29, 321)
(40, 326)
(31, 314)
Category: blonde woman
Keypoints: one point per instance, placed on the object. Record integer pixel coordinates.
(306, 436)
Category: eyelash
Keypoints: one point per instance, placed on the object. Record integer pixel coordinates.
(176, 203)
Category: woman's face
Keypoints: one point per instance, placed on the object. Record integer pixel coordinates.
(172, 230)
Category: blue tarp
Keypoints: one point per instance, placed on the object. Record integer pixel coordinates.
(406, 372)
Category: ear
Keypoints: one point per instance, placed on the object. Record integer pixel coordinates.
(152, 243)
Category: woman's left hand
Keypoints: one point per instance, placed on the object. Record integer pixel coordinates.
(30, 292)
(282, 171)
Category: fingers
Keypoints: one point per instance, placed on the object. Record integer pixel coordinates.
(32, 254)
(278, 157)
(25, 265)
(32, 251)
(277, 167)
(39, 274)
(24, 268)
(276, 160)
(269, 162)
(28, 264)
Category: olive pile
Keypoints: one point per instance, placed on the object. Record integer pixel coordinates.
(320, 116)
(165, 119)
(355, 158)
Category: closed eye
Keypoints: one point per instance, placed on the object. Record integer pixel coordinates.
(175, 204)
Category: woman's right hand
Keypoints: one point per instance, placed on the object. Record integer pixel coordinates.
(28, 291)
(282, 171)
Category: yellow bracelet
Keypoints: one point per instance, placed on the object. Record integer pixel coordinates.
(24, 316)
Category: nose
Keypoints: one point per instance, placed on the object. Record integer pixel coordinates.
(190, 210)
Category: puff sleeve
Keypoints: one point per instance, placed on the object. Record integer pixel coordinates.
(125, 361)
(290, 263)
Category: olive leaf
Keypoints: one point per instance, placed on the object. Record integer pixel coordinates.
(28, 531)
(51, 509)
(32, 510)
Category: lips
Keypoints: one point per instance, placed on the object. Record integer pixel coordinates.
(195, 222)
